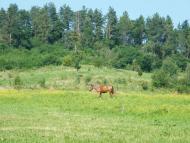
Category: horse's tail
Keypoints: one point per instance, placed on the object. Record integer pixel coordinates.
(112, 90)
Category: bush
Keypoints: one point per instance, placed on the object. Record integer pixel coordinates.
(169, 67)
(181, 61)
(17, 82)
(135, 65)
(146, 63)
(183, 88)
(51, 60)
(184, 83)
(77, 65)
(160, 79)
(126, 56)
(144, 85)
(140, 72)
(157, 63)
(120, 63)
(167, 75)
(3, 47)
(68, 60)
(188, 75)
(36, 42)
(6, 65)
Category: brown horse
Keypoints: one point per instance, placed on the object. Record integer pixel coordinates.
(102, 89)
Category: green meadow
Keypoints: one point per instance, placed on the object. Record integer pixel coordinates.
(61, 77)
(53, 104)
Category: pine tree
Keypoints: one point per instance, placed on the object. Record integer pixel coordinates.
(138, 31)
(155, 29)
(3, 26)
(24, 29)
(40, 23)
(12, 23)
(112, 33)
(87, 37)
(66, 17)
(125, 28)
(54, 33)
(98, 24)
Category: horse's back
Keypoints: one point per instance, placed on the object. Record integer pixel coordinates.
(106, 88)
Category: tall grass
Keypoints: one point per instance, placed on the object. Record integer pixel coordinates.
(68, 78)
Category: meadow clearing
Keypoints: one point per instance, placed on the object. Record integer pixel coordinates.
(53, 104)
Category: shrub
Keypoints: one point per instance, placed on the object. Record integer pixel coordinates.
(183, 88)
(160, 78)
(68, 60)
(144, 85)
(3, 47)
(17, 82)
(140, 72)
(169, 67)
(184, 83)
(51, 60)
(188, 74)
(120, 63)
(135, 65)
(157, 63)
(36, 42)
(126, 56)
(167, 75)
(181, 61)
(173, 81)
(146, 63)
(77, 65)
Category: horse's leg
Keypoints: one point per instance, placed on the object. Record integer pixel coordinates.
(100, 94)
(111, 95)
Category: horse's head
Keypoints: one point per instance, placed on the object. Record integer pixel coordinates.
(91, 87)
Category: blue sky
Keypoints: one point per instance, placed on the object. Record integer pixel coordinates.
(179, 10)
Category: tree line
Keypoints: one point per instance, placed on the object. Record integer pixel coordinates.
(141, 43)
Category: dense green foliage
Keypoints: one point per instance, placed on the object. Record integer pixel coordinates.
(184, 82)
(168, 76)
(148, 41)
(47, 36)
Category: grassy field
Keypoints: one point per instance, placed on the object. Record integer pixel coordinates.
(61, 77)
(64, 111)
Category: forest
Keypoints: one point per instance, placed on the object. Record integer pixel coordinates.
(47, 35)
